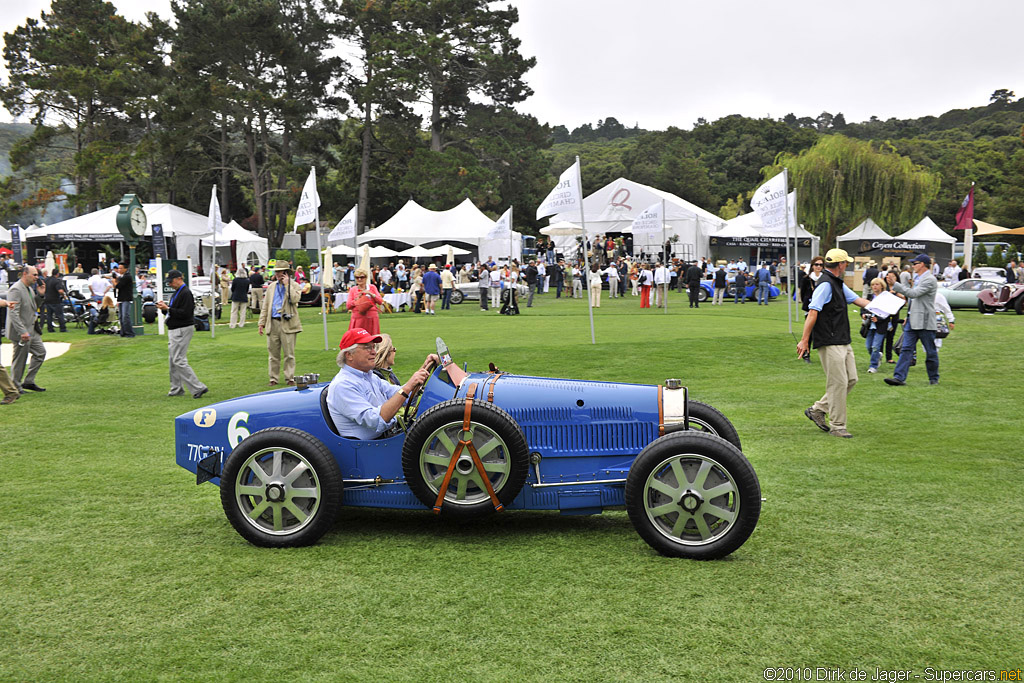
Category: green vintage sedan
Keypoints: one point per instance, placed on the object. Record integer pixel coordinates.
(964, 294)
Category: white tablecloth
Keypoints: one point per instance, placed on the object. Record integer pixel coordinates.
(396, 300)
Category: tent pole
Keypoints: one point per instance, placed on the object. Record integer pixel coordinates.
(586, 273)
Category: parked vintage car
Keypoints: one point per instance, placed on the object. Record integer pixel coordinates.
(708, 290)
(990, 273)
(471, 291)
(496, 441)
(1005, 298)
(964, 294)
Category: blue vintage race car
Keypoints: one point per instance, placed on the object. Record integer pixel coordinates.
(730, 292)
(496, 441)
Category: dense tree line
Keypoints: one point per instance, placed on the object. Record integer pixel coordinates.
(421, 103)
(247, 94)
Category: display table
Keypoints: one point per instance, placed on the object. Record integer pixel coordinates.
(398, 300)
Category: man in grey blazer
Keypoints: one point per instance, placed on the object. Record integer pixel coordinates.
(21, 330)
(920, 321)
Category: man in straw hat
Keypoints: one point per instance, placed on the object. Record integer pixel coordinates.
(827, 327)
(279, 317)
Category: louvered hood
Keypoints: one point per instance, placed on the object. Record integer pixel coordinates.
(572, 417)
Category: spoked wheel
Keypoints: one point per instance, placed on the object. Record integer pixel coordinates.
(702, 295)
(693, 495)
(281, 488)
(432, 442)
(705, 418)
(457, 296)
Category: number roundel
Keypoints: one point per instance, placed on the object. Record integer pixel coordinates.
(237, 431)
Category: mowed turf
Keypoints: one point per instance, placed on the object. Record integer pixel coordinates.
(898, 549)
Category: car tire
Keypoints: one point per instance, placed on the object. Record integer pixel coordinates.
(705, 418)
(296, 469)
(432, 440)
(982, 308)
(702, 295)
(1018, 306)
(457, 296)
(710, 515)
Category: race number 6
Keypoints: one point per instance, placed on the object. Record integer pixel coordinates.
(236, 428)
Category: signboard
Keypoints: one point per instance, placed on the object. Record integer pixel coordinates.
(86, 237)
(761, 241)
(16, 243)
(894, 247)
(167, 265)
(159, 241)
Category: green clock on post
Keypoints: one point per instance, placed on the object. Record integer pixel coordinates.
(132, 223)
(131, 219)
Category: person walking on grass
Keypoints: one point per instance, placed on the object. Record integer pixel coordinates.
(827, 328)
(921, 323)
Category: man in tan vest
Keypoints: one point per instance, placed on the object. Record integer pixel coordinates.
(279, 317)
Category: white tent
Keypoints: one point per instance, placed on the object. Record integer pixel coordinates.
(416, 225)
(613, 208)
(101, 226)
(737, 229)
(416, 252)
(927, 231)
(250, 248)
(5, 235)
(867, 230)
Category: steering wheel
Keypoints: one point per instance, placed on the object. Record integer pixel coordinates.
(417, 393)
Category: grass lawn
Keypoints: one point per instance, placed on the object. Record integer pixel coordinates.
(898, 549)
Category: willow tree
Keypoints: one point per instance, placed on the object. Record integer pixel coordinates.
(841, 181)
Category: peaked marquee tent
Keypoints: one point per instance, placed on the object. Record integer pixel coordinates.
(937, 242)
(418, 226)
(250, 248)
(613, 208)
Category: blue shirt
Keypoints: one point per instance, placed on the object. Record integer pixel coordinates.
(823, 294)
(275, 309)
(354, 399)
(432, 283)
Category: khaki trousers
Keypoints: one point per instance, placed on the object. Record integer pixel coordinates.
(595, 296)
(237, 314)
(660, 295)
(281, 346)
(6, 385)
(719, 295)
(840, 375)
(182, 375)
(256, 298)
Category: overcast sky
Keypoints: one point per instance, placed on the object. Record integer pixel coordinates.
(668, 62)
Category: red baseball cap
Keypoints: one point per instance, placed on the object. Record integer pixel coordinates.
(358, 335)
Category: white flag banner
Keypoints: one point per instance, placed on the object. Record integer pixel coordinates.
(346, 227)
(649, 220)
(502, 229)
(792, 208)
(213, 219)
(769, 202)
(308, 203)
(566, 195)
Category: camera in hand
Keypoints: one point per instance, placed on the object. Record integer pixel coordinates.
(286, 316)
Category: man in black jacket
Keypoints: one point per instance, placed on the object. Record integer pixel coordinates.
(53, 300)
(693, 277)
(125, 291)
(531, 281)
(181, 326)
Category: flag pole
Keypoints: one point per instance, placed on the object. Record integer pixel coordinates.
(969, 240)
(789, 297)
(664, 294)
(214, 294)
(319, 258)
(586, 274)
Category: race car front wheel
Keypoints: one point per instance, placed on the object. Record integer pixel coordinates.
(693, 495)
(434, 440)
(281, 488)
(702, 295)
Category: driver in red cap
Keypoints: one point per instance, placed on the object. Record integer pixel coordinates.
(362, 405)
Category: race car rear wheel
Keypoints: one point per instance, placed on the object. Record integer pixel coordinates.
(457, 296)
(693, 495)
(705, 418)
(281, 488)
(432, 441)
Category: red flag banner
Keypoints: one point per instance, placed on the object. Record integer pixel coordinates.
(965, 216)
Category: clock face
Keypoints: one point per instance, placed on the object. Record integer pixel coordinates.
(138, 221)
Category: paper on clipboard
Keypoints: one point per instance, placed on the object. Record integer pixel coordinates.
(885, 304)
